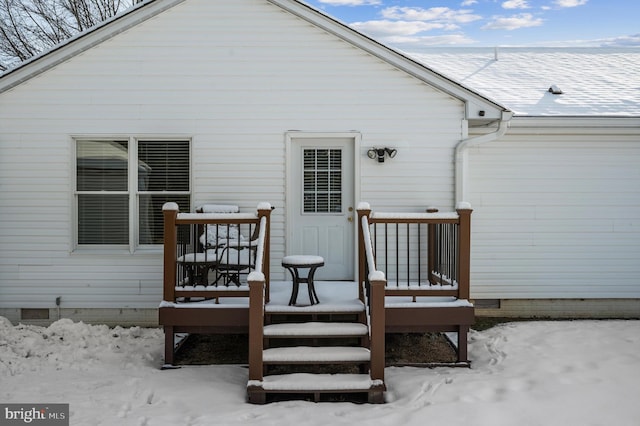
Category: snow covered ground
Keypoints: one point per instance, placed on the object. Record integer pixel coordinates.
(528, 373)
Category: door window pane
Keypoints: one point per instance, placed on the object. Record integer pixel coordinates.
(322, 186)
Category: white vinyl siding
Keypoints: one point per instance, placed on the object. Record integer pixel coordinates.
(556, 214)
(235, 76)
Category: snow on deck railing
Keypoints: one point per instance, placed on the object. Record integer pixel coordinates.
(379, 275)
(204, 249)
(257, 274)
(415, 249)
(215, 217)
(415, 216)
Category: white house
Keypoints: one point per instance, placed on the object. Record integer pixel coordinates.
(556, 199)
(219, 101)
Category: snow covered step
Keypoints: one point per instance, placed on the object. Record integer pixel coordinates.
(316, 329)
(314, 354)
(316, 382)
(339, 307)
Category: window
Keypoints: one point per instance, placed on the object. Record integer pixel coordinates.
(322, 180)
(115, 178)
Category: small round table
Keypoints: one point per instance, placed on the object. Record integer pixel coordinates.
(296, 262)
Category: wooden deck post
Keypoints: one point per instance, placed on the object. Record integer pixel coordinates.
(463, 352)
(170, 212)
(256, 327)
(169, 345)
(264, 211)
(378, 324)
(362, 257)
(464, 264)
(431, 247)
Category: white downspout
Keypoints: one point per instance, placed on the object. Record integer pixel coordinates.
(461, 188)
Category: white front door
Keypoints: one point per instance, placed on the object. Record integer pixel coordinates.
(321, 210)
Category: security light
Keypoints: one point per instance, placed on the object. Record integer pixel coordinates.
(379, 153)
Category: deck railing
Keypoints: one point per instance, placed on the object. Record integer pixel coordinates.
(375, 289)
(211, 254)
(258, 297)
(419, 253)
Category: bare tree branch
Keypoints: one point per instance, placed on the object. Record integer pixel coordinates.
(29, 27)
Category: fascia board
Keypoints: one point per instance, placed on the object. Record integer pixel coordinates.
(576, 125)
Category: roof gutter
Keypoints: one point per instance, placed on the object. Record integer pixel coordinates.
(461, 157)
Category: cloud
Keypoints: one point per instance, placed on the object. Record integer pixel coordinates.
(439, 14)
(523, 20)
(628, 41)
(401, 22)
(468, 2)
(350, 2)
(406, 26)
(401, 28)
(413, 43)
(623, 41)
(569, 3)
(516, 4)
(632, 40)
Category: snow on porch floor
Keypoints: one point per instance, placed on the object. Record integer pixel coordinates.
(334, 296)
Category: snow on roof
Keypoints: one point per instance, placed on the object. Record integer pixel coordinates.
(594, 81)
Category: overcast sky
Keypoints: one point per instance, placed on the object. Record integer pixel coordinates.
(413, 24)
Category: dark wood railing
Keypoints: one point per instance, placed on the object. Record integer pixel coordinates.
(188, 258)
(258, 298)
(420, 253)
(374, 287)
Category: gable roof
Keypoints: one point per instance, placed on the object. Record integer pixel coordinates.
(478, 107)
(603, 82)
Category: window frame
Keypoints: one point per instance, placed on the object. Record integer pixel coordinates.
(132, 192)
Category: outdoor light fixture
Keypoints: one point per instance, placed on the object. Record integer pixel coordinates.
(379, 153)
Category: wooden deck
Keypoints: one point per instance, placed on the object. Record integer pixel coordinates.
(413, 277)
(230, 315)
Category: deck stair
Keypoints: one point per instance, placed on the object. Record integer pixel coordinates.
(316, 352)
